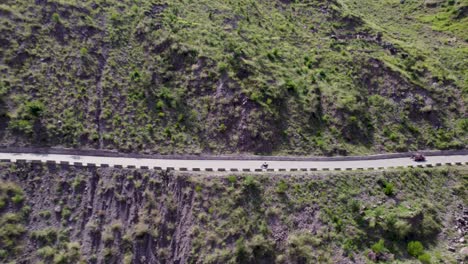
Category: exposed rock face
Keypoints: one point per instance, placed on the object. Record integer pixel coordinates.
(107, 208)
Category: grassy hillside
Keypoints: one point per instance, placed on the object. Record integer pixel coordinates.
(57, 215)
(223, 76)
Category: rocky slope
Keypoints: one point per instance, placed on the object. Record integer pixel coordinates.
(279, 77)
(68, 215)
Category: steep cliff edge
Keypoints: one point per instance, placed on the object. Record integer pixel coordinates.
(69, 215)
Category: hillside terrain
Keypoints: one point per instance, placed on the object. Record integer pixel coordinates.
(246, 76)
(50, 214)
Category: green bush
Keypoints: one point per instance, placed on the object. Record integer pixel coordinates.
(66, 212)
(232, 179)
(10, 233)
(22, 126)
(250, 182)
(425, 258)
(61, 258)
(46, 252)
(83, 51)
(56, 17)
(77, 183)
(35, 108)
(222, 128)
(389, 189)
(18, 198)
(415, 248)
(379, 247)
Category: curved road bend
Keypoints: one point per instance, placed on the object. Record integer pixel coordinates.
(236, 164)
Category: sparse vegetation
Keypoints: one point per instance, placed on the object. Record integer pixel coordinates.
(350, 215)
(289, 77)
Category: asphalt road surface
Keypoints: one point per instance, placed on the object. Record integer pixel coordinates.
(240, 165)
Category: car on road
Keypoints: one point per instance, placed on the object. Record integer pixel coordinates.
(418, 157)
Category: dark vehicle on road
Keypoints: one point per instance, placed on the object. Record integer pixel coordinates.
(418, 157)
(264, 166)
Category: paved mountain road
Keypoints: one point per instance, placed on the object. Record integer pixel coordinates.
(228, 165)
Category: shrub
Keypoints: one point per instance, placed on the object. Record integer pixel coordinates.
(66, 212)
(117, 226)
(107, 236)
(18, 198)
(222, 128)
(425, 258)
(241, 251)
(415, 248)
(379, 247)
(83, 51)
(71, 253)
(22, 126)
(56, 17)
(250, 182)
(35, 108)
(10, 233)
(45, 214)
(393, 137)
(389, 189)
(128, 258)
(232, 179)
(430, 227)
(61, 258)
(141, 229)
(25, 211)
(135, 76)
(92, 227)
(46, 236)
(355, 205)
(77, 183)
(282, 187)
(46, 252)
(300, 247)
